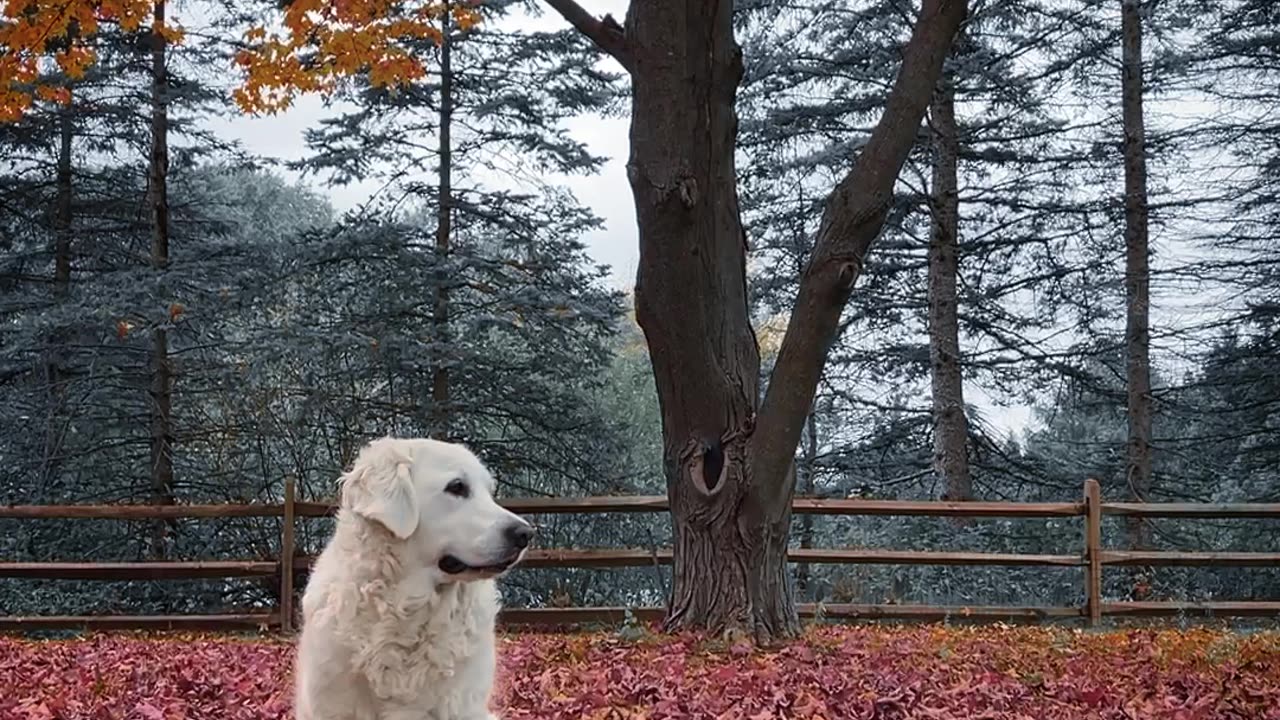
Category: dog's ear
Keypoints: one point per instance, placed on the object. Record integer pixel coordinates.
(380, 488)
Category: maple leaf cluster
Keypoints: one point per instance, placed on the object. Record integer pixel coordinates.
(328, 40)
(35, 33)
(833, 673)
(320, 43)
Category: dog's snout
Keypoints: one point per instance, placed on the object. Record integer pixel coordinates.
(520, 534)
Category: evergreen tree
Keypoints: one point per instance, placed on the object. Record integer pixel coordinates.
(1024, 231)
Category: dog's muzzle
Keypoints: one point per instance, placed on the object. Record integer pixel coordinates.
(452, 565)
(517, 537)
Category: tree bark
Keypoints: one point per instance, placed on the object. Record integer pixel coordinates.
(950, 426)
(730, 470)
(161, 365)
(1137, 278)
(444, 232)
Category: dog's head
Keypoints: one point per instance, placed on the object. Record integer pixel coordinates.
(437, 499)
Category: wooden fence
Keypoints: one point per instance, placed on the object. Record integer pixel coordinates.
(289, 565)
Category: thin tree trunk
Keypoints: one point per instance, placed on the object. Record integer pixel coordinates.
(63, 204)
(161, 365)
(56, 363)
(730, 470)
(444, 232)
(1137, 276)
(808, 471)
(950, 426)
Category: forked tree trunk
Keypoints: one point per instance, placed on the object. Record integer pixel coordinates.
(691, 303)
(161, 394)
(444, 233)
(729, 457)
(1137, 276)
(950, 427)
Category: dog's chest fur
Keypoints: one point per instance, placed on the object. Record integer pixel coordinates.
(417, 638)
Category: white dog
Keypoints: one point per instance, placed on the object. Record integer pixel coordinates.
(398, 616)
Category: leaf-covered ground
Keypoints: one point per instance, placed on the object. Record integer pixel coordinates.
(851, 672)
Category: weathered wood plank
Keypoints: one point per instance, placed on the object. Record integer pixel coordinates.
(139, 512)
(286, 558)
(1219, 511)
(1190, 559)
(226, 622)
(837, 611)
(1169, 609)
(138, 570)
(636, 557)
(1093, 551)
(540, 505)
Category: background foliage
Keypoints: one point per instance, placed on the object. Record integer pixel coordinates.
(297, 332)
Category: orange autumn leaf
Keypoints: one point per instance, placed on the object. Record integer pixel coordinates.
(326, 41)
(321, 43)
(13, 104)
(465, 18)
(50, 93)
(175, 311)
(38, 34)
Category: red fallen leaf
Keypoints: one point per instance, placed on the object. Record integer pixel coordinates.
(1093, 697)
(833, 673)
(149, 711)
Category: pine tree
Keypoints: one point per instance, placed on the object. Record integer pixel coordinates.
(460, 150)
(1023, 228)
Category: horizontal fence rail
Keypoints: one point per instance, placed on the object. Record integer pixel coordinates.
(287, 566)
(560, 506)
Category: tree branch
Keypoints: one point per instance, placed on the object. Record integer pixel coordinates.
(854, 216)
(605, 32)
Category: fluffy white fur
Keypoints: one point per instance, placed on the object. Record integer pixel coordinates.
(391, 629)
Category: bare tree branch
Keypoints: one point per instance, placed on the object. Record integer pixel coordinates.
(605, 32)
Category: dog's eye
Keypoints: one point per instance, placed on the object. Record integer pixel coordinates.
(458, 488)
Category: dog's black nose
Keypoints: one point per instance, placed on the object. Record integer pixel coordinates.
(520, 534)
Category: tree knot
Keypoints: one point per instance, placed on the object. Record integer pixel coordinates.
(850, 269)
(685, 189)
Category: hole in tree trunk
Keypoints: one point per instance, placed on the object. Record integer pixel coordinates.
(712, 464)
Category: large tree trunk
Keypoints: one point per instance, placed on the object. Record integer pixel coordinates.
(691, 302)
(161, 366)
(950, 427)
(444, 232)
(1137, 277)
(730, 470)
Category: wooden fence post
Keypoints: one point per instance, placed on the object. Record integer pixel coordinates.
(286, 559)
(1093, 552)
